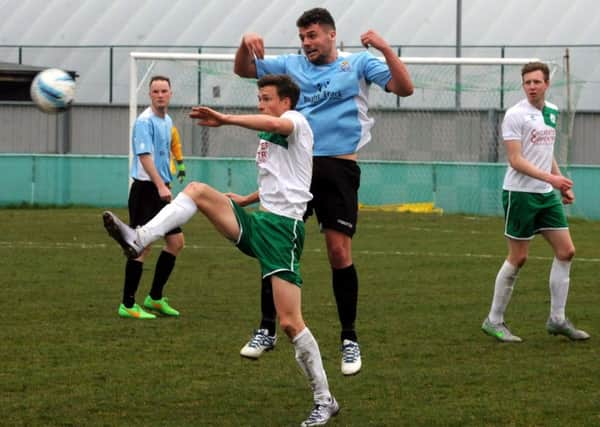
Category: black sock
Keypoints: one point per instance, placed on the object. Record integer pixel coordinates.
(345, 289)
(133, 274)
(164, 267)
(267, 306)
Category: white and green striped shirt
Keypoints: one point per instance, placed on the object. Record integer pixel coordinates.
(536, 130)
(285, 168)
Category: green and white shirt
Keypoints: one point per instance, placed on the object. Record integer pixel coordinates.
(536, 129)
(285, 168)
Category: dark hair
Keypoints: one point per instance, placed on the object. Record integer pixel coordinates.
(159, 78)
(318, 15)
(286, 88)
(535, 66)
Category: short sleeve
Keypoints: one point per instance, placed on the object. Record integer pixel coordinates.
(511, 127)
(142, 139)
(301, 127)
(376, 71)
(276, 65)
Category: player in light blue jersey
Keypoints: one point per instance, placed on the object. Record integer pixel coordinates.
(152, 137)
(149, 193)
(334, 98)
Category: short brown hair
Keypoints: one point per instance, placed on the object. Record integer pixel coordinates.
(159, 78)
(535, 66)
(286, 88)
(318, 15)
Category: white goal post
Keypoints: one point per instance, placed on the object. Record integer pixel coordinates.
(139, 77)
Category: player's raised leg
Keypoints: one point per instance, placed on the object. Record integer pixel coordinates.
(196, 196)
(125, 236)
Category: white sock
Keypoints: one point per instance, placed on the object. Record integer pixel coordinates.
(505, 282)
(176, 213)
(308, 357)
(559, 289)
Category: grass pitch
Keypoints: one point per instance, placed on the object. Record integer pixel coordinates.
(425, 287)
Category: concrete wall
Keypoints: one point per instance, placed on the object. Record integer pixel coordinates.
(465, 188)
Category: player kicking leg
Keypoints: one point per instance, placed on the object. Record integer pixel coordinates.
(230, 220)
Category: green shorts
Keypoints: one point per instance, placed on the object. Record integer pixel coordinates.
(527, 214)
(276, 241)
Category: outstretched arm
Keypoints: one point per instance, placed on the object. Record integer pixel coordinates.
(251, 47)
(208, 117)
(400, 83)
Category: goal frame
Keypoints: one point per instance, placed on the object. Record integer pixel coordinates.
(228, 57)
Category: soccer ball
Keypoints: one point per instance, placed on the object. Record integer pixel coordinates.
(53, 90)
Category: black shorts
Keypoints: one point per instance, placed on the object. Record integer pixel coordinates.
(144, 203)
(334, 188)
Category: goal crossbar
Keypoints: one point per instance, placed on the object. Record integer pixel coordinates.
(229, 57)
(421, 60)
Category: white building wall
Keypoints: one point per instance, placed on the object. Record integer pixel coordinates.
(220, 23)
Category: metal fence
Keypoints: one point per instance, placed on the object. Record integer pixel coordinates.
(406, 135)
(98, 122)
(104, 69)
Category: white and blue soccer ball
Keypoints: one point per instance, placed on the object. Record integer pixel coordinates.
(53, 90)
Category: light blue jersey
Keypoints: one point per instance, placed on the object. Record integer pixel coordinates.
(333, 97)
(152, 135)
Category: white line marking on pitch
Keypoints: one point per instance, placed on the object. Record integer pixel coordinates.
(77, 245)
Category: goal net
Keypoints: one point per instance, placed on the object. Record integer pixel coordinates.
(440, 147)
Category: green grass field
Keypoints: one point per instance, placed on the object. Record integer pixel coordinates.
(67, 359)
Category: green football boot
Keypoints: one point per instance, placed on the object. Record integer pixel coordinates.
(161, 306)
(135, 312)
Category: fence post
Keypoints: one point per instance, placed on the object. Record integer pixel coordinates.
(110, 74)
(502, 53)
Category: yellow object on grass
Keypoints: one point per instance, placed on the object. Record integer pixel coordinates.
(421, 207)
